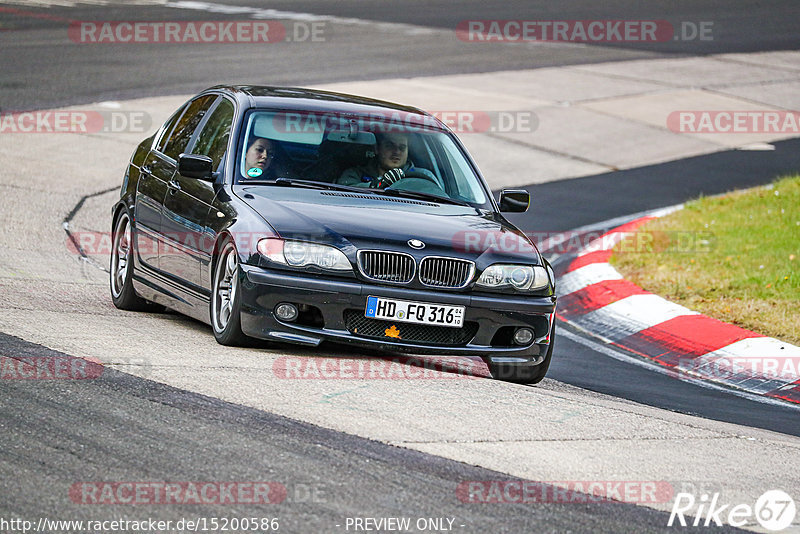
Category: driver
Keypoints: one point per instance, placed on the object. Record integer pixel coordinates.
(390, 164)
(259, 157)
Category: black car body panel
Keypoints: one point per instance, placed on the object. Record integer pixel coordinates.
(179, 224)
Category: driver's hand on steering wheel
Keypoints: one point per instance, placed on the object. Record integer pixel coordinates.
(390, 177)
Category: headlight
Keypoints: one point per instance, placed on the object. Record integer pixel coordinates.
(301, 254)
(520, 277)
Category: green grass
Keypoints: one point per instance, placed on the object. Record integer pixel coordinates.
(734, 257)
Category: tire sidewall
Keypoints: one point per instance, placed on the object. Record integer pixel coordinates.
(232, 333)
(127, 298)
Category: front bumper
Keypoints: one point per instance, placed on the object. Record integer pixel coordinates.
(263, 289)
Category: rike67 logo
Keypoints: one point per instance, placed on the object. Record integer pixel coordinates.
(774, 510)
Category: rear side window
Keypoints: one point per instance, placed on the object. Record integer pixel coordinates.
(186, 126)
(213, 138)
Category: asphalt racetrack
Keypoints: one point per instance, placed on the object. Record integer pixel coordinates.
(172, 405)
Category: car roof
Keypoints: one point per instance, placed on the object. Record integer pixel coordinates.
(302, 99)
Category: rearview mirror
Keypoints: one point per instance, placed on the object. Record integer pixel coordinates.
(514, 200)
(196, 166)
(359, 138)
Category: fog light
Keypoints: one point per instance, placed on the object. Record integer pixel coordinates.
(523, 336)
(286, 312)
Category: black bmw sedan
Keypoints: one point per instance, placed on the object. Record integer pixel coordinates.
(305, 216)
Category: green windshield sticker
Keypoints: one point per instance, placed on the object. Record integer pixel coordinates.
(254, 172)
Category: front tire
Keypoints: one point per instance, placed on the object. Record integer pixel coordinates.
(524, 374)
(226, 300)
(123, 295)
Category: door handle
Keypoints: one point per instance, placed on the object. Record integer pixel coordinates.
(173, 186)
(146, 170)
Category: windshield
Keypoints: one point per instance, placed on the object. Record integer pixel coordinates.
(399, 153)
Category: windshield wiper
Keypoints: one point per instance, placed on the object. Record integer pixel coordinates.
(291, 182)
(421, 196)
(313, 184)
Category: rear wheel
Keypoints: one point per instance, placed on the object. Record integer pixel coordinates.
(121, 268)
(226, 298)
(524, 374)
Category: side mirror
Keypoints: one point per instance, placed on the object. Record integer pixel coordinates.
(514, 200)
(196, 166)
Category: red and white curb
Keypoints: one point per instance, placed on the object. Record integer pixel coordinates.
(594, 296)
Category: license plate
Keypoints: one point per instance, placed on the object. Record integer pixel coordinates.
(414, 312)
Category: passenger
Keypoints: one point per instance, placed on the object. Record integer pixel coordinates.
(389, 165)
(259, 158)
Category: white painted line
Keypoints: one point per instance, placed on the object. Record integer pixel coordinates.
(585, 276)
(758, 147)
(758, 347)
(609, 240)
(756, 365)
(265, 13)
(73, 3)
(563, 237)
(669, 209)
(756, 358)
(754, 384)
(407, 29)
(652, 366)
(606, 242)
(630, 315)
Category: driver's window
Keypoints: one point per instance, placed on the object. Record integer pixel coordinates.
(213, 139)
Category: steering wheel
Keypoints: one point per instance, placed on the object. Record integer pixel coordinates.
(417, 174)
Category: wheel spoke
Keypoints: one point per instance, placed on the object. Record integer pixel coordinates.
(225, 288)
(125, 241)
(122, 270)
(225, 313)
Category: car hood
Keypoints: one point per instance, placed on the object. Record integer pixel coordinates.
(366, 221)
